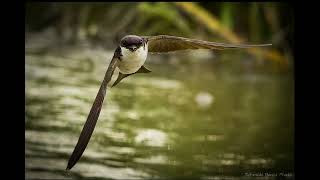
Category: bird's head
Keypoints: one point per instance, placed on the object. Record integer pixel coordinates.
(131, 42)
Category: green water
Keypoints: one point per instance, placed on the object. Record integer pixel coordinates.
(201, 120)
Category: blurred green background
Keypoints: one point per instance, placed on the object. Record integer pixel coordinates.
(200, 114)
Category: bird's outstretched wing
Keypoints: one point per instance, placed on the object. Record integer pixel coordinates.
(165, 43)
(94, 114)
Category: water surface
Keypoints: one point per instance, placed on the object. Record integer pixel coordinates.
(188, 118)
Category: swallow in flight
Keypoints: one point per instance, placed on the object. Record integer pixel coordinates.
(129, 58)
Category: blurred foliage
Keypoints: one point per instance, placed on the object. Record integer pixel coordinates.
(165, 15)
(98, 23)
(216, 26)
(227, 16)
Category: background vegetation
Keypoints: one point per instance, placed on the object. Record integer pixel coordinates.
(102, 22)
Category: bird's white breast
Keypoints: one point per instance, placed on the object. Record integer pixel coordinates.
(132, 61)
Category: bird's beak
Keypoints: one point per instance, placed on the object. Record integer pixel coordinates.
(132, 48)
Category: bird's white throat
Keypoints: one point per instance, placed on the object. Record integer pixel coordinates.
(132, 61)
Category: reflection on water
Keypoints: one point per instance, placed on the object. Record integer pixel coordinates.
(151, 137)
(198, 121)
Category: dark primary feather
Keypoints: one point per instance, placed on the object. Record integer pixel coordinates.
(93, 115)
(165, 43)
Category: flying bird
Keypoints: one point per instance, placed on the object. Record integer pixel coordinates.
(129, 58)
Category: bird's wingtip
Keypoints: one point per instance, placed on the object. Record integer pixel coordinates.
(269, 44)
(69, 166)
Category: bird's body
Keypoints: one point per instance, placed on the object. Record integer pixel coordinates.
(131, 61)
(129, 58)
